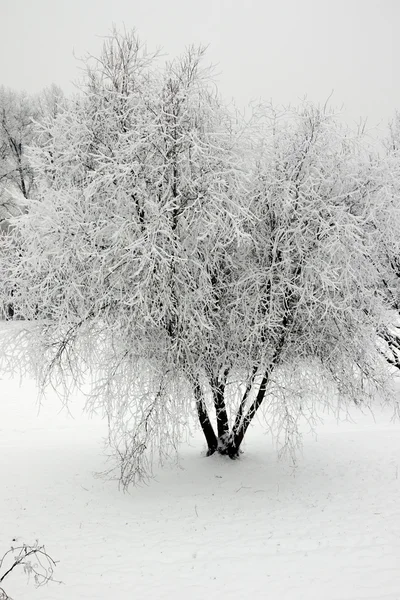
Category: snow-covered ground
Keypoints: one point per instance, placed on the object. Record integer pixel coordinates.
(210, 528)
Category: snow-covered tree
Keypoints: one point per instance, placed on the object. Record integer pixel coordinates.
(17, 111)
(389, 243)
(19, 114)
(181, 258)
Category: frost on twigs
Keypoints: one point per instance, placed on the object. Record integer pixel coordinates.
(33, 560)
(148, 415)
(180, 258)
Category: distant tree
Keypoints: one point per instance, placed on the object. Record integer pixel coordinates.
(181, 257)
(17, 112)
(19, 118)
(50, 102)
(392, 141)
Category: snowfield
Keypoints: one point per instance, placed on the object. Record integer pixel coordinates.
(208, 528)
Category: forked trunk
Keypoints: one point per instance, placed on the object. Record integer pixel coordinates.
(226, 442)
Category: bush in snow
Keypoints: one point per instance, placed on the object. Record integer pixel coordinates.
(34, 560)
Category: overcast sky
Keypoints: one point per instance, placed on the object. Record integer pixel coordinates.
(272, 49)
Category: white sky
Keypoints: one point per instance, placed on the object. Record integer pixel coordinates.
(272, 49)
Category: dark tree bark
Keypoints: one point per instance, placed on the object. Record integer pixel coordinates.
(242, 406)
(218, 391)
(393, 344)
(9, 311)
(204, 419)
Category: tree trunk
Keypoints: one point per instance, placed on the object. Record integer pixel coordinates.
(218, 392)
(242, 406)
(228, 443)
(205, 422)
(237, 437)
